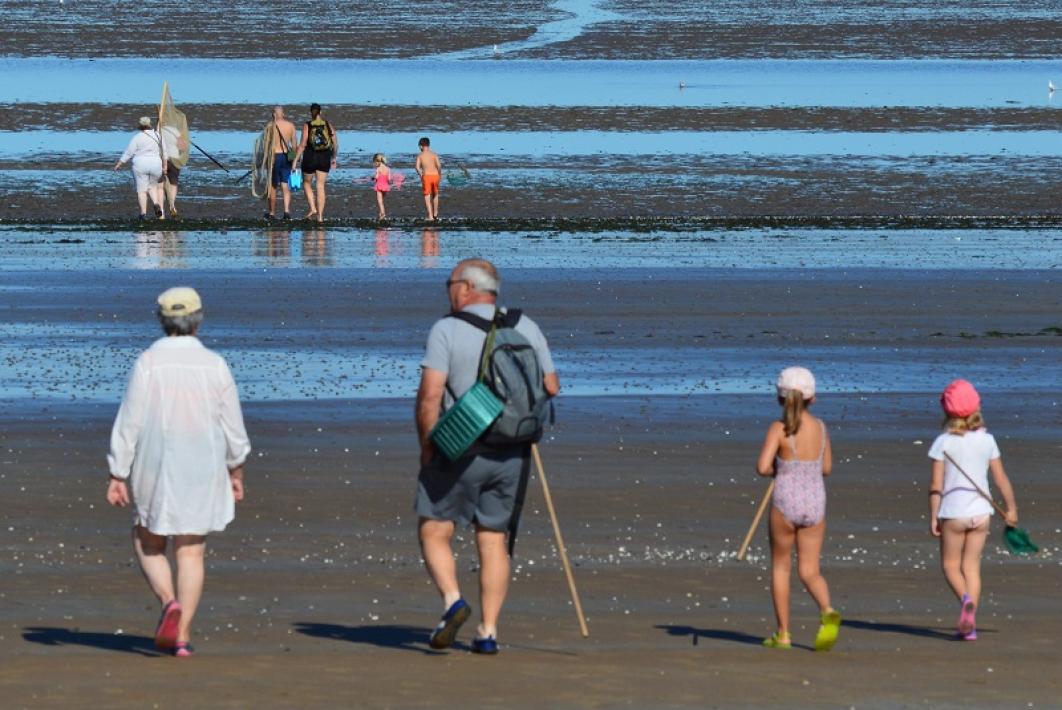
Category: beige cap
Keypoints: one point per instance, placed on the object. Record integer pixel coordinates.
(796, 378)
(179, 301)
(145, 122)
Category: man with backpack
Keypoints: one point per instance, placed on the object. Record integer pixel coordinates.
(318, 148)
(478, 343)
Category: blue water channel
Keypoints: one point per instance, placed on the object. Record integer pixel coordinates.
(87, 356)
(24, 145)
(708, 83)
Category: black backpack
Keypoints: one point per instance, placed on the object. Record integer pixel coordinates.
(320, 134)
(513, 373)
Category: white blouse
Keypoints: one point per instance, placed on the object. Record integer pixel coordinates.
(178, 433)
(143, 144)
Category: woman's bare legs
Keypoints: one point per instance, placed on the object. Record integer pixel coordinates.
(142, 200)
(151, 553)
(322, 180)
(189, 551)
(307, 186)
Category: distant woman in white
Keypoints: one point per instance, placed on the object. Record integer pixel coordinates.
(146, 151)
(180, 442)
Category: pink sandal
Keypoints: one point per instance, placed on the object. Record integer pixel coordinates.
(166, 631)
(184, 650)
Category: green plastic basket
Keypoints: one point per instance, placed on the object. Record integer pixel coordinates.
(460, 426)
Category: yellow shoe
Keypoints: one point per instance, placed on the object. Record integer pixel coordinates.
(827, 635)
(778, 641)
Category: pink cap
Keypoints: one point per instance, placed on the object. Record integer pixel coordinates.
(960, 399)
(796, 378)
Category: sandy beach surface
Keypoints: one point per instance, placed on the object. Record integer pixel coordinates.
(315, 595)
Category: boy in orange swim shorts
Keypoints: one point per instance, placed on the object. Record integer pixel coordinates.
(430, 170)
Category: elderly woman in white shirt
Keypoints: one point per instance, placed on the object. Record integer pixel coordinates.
(146, 150)
(179, 442)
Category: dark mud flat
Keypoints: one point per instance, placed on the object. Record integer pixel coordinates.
(400, 119)
(85, 28)
(960, 38)
(685, 29)
(591, 188)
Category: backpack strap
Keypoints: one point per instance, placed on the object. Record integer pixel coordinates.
(472, 319)
(283, 140)
(502, 319)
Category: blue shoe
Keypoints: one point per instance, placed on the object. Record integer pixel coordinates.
(444, 634)
(487, 646)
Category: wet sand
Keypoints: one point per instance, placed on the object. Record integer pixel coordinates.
(315, 595)
(587, 188)
(402, 119)
(683, 29)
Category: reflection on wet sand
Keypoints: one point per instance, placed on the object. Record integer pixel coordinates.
(274, 245)
(382, 246)
(390, 242)
(429, 248)
(159, 249)
(316, 247)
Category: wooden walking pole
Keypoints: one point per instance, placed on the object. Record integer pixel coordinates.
(756, 521)
(560, 542)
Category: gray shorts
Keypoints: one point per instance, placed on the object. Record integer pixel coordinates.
(480, 489)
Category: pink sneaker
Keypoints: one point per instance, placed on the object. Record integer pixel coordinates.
(967, 618)
(183, 649)
(166, 631)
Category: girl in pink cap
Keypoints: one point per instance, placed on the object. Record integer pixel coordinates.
(958, 514)
(797, 453)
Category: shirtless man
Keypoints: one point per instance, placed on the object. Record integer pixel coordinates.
(283, 140)
(430, 170)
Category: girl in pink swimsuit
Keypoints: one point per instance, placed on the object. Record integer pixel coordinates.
(798, 513)
(381, 182)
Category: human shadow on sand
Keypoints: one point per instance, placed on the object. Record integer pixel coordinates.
(719, 634)
(51, 636)
(406, 638)
(908, 629)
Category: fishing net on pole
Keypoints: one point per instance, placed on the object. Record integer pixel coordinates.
(458, 177)
(173, 127)
(262, 162)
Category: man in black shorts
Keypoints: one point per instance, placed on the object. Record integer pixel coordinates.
(318, 148)
(172, 141)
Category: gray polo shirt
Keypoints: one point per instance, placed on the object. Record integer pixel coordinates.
(454, 347)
